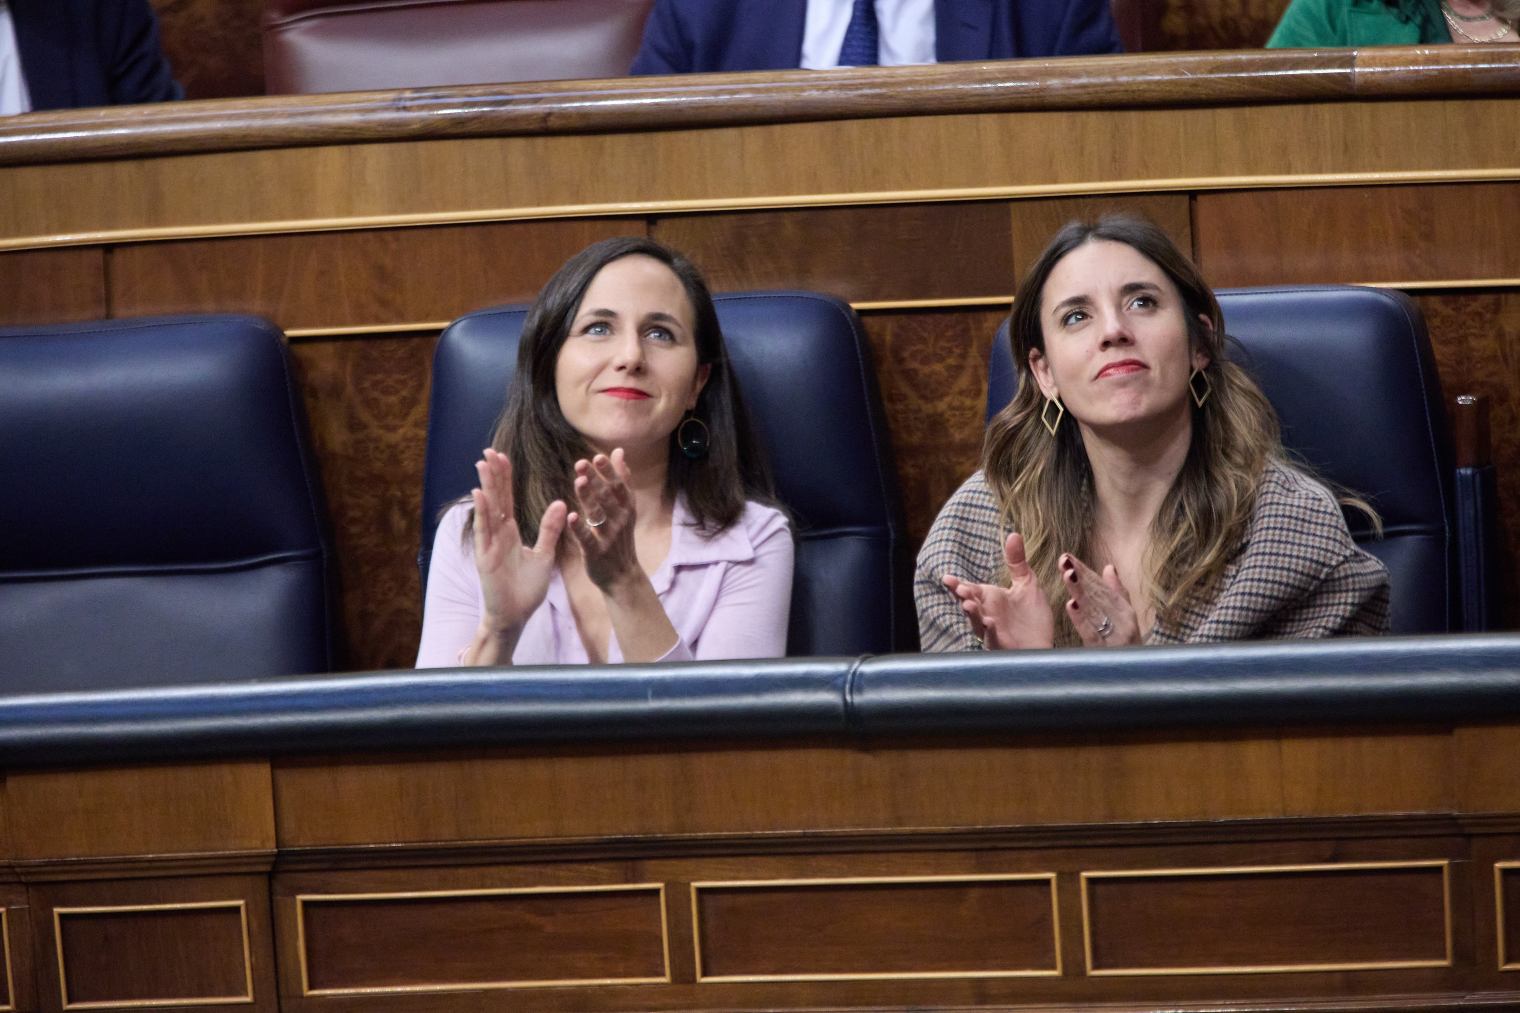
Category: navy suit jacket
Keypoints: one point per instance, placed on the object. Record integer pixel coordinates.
(715, 35)
(91, 53)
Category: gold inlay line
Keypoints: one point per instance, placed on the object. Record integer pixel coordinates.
(10, 977)
(762, 884)
(63, 978)
(302, 900)
(657, 208)
(1243, 870)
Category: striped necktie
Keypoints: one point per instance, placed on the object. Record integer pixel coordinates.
(860, 39)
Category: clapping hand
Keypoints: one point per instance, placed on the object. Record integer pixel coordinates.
(514, 577)
(1098, 605)
(603, 525)
(1008, 617)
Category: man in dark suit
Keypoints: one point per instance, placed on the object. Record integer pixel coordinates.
(685, 36)
(90, 53)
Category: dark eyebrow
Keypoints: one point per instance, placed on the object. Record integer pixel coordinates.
(601, 314)
(1139, 286)
(664, 318)
(1069, 302)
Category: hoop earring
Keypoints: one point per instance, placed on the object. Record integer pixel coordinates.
(693, 437)
(1208, 387)
(1052, 425)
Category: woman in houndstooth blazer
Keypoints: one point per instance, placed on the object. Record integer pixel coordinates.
(1135, 490)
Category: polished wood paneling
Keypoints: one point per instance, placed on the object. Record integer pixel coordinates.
(161, 942)
(1262, 918)
(347, 279)
(367, 402)
(153, 954)
(864, 929)
(214, 46)
(1326, 775)
(483, 939)
(1035, 222)
(654, 789)
(862, 254)
(1487, 779)
(52, 286)
(1069, 83)
(162, 811)
(953, 156)
(931, 366)
(1426, 233)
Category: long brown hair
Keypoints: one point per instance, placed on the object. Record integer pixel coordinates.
(1044, 486)
(543, 446)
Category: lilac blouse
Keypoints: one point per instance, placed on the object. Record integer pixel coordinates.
(727, 596)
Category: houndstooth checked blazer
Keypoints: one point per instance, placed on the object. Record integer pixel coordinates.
(1297, 572)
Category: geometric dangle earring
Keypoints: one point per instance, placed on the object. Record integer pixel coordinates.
(1200, 392)
(1051, 424)
(693, 437)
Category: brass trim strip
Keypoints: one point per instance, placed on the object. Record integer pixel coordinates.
(353, 330)
(657, 889)
(763, 884)
(1505, 964)
(63, 979)
(10, 978)
(657, 208)
(1443, 864)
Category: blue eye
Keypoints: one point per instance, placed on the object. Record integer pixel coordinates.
(600, 328)
(660, 334)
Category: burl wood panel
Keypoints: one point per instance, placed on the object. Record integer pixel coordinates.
(1035, 222)
(1384, 235)
(1212, 24)
(1475, 335)
(931, 367)
(1310, 919)
(354, 279)
(493, 939)
(366, 399)
(865, 929)
(124, 956)
(214, 46)
(862, 254)
(52, 286)
(190, 809)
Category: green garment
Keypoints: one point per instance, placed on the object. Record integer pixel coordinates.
(1310, 23)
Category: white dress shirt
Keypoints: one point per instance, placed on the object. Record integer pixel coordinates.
(906, 32)
(13, 94)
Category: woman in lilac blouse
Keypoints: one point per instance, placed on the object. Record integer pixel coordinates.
(623, 512)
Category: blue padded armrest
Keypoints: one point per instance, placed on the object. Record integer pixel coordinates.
(1351, 681)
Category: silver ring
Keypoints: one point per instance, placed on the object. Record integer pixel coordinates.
(595, 524)
(1105, 627)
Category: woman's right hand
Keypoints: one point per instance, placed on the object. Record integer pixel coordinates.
(513, 576)
(1004, 618)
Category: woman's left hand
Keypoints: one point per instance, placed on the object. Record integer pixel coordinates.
(603, 526)
(1098, 605)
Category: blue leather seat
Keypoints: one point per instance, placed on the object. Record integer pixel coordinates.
(162, 521)
(802, 363)
(1352, 377)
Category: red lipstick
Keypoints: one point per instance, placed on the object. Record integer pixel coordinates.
(627, 393)
(1121, 367)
